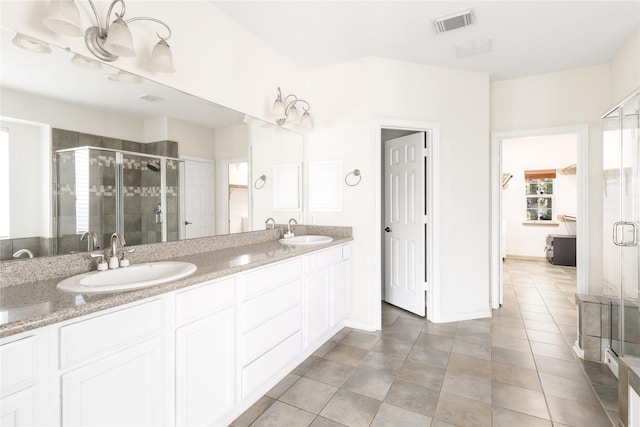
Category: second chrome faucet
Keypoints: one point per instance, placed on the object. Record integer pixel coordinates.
(115, 239)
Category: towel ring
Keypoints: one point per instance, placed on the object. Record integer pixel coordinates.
(261, 179)
(354, 182)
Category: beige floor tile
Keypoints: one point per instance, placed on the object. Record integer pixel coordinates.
(519, 399)
(468, 365)
(392, 416)
(413, 397)
(351, 409)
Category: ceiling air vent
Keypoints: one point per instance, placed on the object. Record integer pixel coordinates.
(452, 21)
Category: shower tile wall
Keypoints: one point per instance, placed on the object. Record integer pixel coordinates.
(141, 191)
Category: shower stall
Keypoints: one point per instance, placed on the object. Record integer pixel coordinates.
(99, 191)
(621, 215)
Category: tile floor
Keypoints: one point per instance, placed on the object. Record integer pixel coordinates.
(515, 369)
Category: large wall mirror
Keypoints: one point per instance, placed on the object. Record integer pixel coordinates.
(87, 149)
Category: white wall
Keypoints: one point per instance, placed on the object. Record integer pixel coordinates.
(63, 115)
(566, 98)
(624, 74)
(543, 152)
(271, 146)
(193, 140)
(29, 172)
(348, 100)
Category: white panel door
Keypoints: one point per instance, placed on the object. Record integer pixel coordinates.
(199, 215)
(405, 222)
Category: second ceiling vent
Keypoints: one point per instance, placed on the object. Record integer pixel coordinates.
(455, 20)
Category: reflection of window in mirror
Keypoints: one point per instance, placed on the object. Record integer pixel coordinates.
(238, 174)
(4, 182)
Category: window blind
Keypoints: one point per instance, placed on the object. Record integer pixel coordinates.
(540, 174)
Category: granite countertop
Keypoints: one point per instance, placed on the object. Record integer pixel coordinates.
(32, 305)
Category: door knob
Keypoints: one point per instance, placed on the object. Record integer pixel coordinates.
(187, 223)
(388, 230)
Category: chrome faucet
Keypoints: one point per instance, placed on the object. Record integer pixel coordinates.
(21, 252)
(92, 240)
(272, 221)
(115, 239)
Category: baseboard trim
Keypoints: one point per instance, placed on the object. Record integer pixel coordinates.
(526, 258)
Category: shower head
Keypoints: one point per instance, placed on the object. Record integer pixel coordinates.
(153, 167)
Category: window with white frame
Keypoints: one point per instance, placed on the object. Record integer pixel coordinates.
(539, 187)
(4, 183)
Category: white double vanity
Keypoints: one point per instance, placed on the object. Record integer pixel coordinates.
(194, 352)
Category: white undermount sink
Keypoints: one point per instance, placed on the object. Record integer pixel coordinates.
(310, 239)
(136, 276)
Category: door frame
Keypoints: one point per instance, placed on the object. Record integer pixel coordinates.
(582, 193)
(433, 196)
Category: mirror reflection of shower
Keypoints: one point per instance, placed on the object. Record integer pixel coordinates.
(100, 191)
(238, 174)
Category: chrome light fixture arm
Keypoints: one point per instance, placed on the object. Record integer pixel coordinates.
(146, 18)
(96, 36)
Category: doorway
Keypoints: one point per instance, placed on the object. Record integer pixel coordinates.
(424, 277)
(238, 200)
(502, 177)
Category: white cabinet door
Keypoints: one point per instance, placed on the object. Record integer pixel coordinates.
(340, 292)
(18, 409)
(317, 305)
(206, 369)
(124, 389)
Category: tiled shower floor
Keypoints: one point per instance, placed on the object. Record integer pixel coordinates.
(516, 369)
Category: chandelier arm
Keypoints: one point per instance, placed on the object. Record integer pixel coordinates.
(294, 102)
(146, 18)
(95, 13)
(123, 10)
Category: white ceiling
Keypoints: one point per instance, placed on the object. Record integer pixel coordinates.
(529, 37)
(54, 76)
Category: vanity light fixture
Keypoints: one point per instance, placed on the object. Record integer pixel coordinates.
(285, 111)
(112, 40)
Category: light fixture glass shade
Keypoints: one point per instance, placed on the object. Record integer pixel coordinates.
(119, 41)
(162, 58)
(293, 115)
(278, 108)
(64, 18)
(305, 121)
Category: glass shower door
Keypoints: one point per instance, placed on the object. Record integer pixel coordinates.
(86, 193)
(626, 234)
(621, 214)
(612, 156)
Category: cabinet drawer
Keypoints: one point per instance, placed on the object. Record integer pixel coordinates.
(204, 300)
(270, 334)
(268, 365)
(110, 331)
(263, 308)
(260, 281)
(17, 365)
(322, 260)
